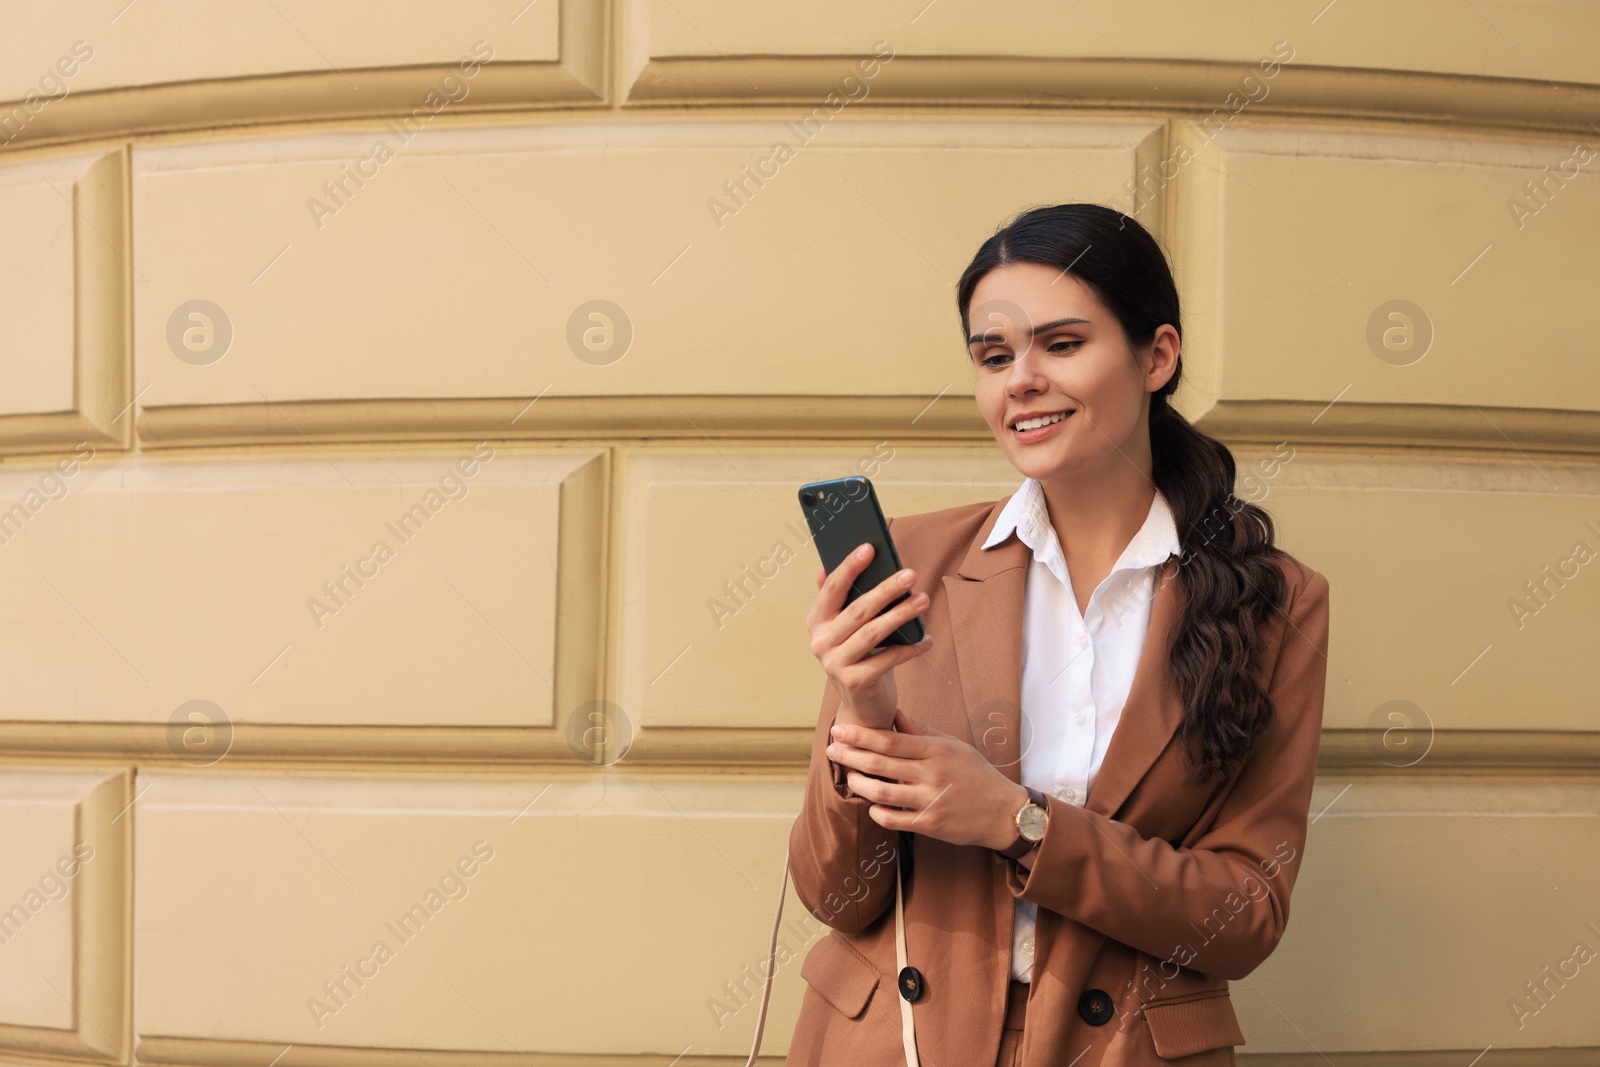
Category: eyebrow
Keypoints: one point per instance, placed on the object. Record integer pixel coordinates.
(979, 338)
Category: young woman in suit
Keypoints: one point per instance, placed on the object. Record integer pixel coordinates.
(1090, 783)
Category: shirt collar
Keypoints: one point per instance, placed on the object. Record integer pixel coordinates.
(1027, 515)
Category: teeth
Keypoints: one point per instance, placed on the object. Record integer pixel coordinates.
(1042, 420)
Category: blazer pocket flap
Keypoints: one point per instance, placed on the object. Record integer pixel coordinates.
(844, 979)
(1184, 1027)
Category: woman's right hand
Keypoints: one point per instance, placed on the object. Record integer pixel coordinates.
(843, 640)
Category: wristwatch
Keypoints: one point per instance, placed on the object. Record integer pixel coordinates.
(1030, 819)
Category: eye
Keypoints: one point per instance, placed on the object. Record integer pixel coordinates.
(1061, 347)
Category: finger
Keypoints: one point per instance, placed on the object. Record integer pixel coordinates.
(872, 632)
(868, 762)
(822, 576)
(872, 666)
(875, 739)
(892, 819)
(852, 616)
(890, 794)
(835, 617)
(838, 583)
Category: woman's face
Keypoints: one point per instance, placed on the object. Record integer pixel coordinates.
(1042, 344)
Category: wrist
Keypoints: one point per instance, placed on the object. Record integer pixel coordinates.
(1016, 797)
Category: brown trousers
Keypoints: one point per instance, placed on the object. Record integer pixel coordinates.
(1011, 1035)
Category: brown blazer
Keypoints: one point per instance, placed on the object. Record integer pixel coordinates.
(1153, 894)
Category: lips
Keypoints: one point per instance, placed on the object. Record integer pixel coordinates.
(1039, 420)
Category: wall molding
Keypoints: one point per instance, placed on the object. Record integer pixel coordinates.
(185, 1052)
(1190, 89)
(1299, 90)
(101, 318)
(781, 749)
(945, 417)
(578, 78)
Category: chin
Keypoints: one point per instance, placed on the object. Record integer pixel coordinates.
(1039, 467)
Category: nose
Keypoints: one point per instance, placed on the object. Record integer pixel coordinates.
(1027, 375)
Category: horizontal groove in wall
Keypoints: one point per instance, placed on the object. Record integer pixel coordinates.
(1429, 425)
(564, 417)
(710, 749)
(186, 1052)
(181, 1052)
(1068, 85)
(1343, 422)
(1120, 82)
(288, 98)
(1500, 1057)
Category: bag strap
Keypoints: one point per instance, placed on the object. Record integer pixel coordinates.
(908, 1031)
(908, 1028)
(772, 956)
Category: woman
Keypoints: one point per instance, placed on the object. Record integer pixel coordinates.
(1094, 774)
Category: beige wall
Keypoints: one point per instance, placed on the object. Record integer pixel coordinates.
(311, 604)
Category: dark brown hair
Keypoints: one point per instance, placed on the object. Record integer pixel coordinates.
(1229, 568)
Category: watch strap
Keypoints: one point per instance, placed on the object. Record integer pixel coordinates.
(1021, 845)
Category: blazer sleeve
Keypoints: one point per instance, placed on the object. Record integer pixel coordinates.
(1227, 897)
(841, 861)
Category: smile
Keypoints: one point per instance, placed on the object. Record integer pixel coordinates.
(1040, 421)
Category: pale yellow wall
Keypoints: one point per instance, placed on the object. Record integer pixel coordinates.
(260, 786)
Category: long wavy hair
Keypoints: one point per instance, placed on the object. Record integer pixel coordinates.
(1229, 569)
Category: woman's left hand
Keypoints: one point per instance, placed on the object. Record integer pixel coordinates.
(945, 787)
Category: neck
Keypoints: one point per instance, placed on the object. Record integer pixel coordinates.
(1095, 517)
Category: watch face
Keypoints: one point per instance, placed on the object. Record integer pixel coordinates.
(1031, 822)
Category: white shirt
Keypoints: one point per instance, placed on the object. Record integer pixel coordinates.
(1076, 669)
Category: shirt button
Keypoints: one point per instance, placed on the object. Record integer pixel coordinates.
(1082, 640)
(1027, 945)
(1067, 795)
(1080, 718)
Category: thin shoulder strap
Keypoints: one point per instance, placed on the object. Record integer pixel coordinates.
(908, 1028)
(772, 956)
(908, 1031)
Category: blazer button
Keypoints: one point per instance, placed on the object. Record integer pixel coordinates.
(911, 984)
(1096, 1008)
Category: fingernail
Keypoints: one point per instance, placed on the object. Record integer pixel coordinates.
(904, 577)
(862, 551)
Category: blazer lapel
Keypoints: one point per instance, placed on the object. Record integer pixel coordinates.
(986, 600)
(1153, 708)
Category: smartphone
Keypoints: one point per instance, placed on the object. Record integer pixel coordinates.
(843, 514)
